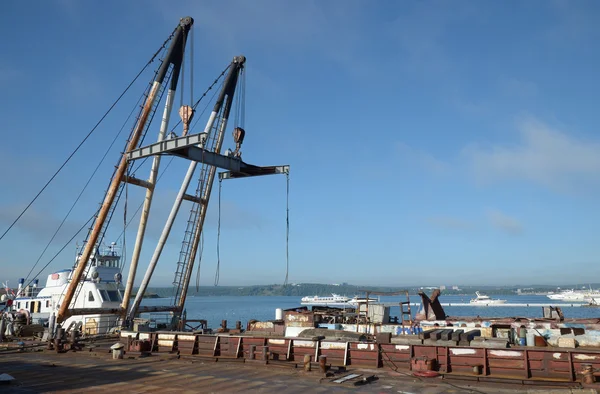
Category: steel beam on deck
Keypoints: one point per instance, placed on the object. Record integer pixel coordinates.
(255, 171)
(190, 147)
(167, 145)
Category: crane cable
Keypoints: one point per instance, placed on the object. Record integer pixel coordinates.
(240, 114)
(287, 228)
(86, 137)
(83, 189)
(218, 237)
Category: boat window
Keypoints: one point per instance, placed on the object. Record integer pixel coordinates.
(26, 305)
(114, 295)
(19, 305)
(91, 297)
(47, 303)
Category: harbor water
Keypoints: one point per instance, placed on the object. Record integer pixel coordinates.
(234, 308)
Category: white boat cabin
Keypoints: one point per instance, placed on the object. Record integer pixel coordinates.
(101, 288)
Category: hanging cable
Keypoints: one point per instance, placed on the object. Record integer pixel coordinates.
(182, 72)
(287, 229)
(86, 137)
(199, 262)
(203, 95)
(243, 115)
(83, 190)
(61, 249)
(124, 247)
(218, 237)
(192, 65)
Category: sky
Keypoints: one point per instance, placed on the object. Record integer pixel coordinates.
(430, 142)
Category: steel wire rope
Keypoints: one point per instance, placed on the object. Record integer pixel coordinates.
(63, 248)
(124, 248)
(142, 96)
(238, 109)
(287, 229)
(203, 95)
(199, 262)
(218, 237)
(168, 164)
(85, 138)
(84, 188)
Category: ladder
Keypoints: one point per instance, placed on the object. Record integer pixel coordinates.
(195, 212)
(406, 312)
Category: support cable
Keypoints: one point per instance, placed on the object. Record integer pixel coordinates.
(192, 65)
(287, 229)
(86, 138)
(218, 237)
(63, 248)
(124, 248)
(199, 262)
(201, 97)
(82, 191)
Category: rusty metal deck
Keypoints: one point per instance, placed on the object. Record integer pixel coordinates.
(96, 372)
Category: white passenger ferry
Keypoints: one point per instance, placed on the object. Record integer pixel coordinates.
(334, 300)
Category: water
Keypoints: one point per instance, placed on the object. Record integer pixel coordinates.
(234, 308)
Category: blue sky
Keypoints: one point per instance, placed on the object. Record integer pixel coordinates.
(430, 142)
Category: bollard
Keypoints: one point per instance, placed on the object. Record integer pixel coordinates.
(224, 324)
(2, 327)
(307, 362)
(323, 363)
(73, 338)
(265, 353)
(238, 325)
(251, 352)
(587, 374)
(61, 333)
(117, 350)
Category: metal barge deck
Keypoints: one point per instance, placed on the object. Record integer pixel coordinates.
(94, 371)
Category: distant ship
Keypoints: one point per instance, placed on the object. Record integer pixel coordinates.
(485, 300)
(575, 295)
(335, 300)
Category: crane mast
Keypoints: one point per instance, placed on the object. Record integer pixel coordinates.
(220, 112)
(174, 57)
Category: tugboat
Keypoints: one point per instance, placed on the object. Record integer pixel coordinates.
(100, 289)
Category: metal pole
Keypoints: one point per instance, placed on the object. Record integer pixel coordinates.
(227, 92)
(108, 201)
(202, 216)
(175, 51)
(167, 229)
(147, 203)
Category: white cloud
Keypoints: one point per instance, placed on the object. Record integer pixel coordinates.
(421, 158)
(504, 222)
(284, 29)
(518, 88)
(450, 222)
(544, 155)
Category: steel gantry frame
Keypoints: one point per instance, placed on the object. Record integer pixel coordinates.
(197, 149)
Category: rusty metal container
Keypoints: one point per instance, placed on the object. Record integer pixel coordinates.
(540, 341)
